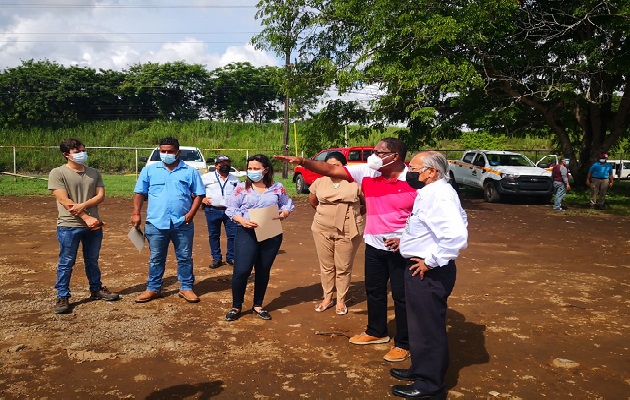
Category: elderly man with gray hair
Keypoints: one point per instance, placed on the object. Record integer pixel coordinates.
(434, 234)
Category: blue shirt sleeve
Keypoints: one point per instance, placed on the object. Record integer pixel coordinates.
(142, 184)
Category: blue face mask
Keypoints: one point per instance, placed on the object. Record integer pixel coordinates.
(255, 176)
(80, 158)
(168, 159)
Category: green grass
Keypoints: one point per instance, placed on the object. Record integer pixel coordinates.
(617, 200)
(577, 200)
(115, 186)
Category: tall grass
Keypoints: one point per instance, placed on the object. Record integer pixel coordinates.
(234, 139)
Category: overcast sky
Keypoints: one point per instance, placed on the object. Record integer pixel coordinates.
(114, 34)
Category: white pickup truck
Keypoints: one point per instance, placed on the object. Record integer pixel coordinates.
(501, 173)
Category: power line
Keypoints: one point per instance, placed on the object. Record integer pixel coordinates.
(117, 41)
(128, 33)
(48, 5)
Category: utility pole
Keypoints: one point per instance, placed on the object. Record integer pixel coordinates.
(285, 143)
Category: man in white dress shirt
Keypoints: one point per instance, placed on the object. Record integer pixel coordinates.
(435, 232)
(219, 185)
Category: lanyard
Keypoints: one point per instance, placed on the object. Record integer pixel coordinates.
(219, 182)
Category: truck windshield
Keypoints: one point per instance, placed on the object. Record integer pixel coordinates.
(185, 155)
(509, 160)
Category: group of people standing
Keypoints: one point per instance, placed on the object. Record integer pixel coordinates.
(599, 178)
(174, 192)
(414, 229)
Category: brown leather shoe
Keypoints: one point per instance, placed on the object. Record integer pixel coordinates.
(147, 295)
(189, 296)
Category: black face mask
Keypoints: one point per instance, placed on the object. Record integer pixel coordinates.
(224, 169)
(412, 180)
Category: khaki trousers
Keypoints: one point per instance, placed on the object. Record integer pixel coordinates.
(599, 187)
(336, 256)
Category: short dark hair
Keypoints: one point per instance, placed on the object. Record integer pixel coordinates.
(397, 146)
(69, 144)
(266, 163)
(337, 156)
(169, 141)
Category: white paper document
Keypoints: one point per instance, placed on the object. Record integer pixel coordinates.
(268, 227)
(137, 238)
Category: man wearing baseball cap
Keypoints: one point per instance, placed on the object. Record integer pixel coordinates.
(219, 185)
(600, 179)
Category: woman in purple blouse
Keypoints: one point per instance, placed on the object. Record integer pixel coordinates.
(258, 191)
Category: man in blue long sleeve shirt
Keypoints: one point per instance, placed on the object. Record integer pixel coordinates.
(174, 192)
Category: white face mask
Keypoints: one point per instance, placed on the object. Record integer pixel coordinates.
(80, 157)
(375, 162)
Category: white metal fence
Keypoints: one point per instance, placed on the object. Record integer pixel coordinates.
(34, 159)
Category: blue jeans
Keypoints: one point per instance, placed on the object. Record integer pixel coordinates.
(560, 190)
(159, 239)
(69, 239)
(252, 254)
(215, 218)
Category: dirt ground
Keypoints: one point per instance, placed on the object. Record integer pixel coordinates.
(540, 309)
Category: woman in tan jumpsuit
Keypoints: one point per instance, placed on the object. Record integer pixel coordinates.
(337, 230)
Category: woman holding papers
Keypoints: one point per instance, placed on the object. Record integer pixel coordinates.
(258, 236)
(337, 230)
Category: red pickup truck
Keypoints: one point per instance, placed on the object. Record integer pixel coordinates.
(303, 178)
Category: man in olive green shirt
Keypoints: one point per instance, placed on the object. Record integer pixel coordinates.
(79, 190)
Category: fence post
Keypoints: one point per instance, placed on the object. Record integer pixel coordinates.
(136, 151)
(14, 164)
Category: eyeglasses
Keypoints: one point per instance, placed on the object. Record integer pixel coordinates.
(417, 169)
(382, 153)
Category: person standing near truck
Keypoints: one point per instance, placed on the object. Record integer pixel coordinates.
(388, 201)
(174, 192)
(219, 185)
(560, 176)
(600, 179)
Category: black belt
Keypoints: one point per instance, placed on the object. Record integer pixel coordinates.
(217, 207)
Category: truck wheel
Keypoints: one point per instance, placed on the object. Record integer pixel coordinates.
(300, 185)
(490, 192)
(453, 182)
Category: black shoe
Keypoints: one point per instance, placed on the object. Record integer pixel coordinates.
(263, 314)
(62, 306)
(215, 264)
(402, 374)
(104, 294)
(233, 314)
(230, 262)
(408, 392)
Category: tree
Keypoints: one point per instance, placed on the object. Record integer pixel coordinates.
(243, 92)
(170, 91)
(44, 93)
(285, 21)
(513, 67)
(334, 124)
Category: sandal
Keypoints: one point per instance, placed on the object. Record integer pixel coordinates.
(322, 308)
(263, 314)
(233, 314)
(342, 311)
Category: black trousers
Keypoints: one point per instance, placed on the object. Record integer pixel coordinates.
(426, 314)
(380, 267)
